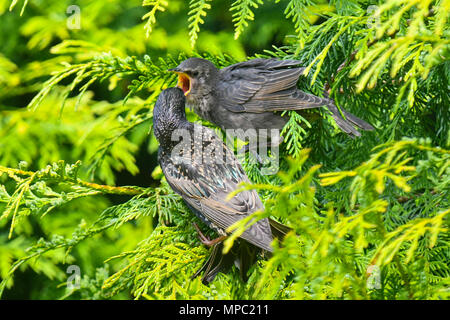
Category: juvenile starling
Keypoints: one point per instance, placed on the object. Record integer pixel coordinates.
(204, 171)
(252, 94)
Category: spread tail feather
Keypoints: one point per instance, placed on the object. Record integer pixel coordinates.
(347, 124)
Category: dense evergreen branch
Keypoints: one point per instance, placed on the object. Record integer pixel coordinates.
(105, 189)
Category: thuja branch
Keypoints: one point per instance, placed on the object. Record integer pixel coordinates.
(122, 190)
(43, 246)
(105, 189)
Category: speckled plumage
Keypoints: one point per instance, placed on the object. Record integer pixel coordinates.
(251, 94)
(201, 169)
(206, 172)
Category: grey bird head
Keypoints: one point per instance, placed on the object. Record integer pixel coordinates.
(195, 75)
(168, 113)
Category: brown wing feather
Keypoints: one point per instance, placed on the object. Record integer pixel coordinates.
(205, 187)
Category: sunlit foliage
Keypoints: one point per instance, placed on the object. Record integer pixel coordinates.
(79, 183)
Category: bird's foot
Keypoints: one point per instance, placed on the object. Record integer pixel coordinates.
(213, 242)
(205, 240)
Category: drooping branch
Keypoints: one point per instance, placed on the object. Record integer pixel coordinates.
(105, 189)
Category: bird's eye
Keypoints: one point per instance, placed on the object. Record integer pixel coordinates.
(194, 73)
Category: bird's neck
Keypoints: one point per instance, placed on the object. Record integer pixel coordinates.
(169, 129)
(202, 103)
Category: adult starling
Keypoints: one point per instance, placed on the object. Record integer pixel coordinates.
(252, 94)
(204, 171)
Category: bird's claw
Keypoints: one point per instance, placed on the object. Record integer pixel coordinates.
(205, 240)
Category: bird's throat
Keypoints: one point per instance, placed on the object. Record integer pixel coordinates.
(184, 83)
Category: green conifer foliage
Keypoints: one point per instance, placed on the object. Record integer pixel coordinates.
(369, 216)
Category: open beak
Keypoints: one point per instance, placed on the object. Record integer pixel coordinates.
(184, 81)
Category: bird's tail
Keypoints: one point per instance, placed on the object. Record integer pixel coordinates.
(279, 230)
(243, 254)
(348, 124)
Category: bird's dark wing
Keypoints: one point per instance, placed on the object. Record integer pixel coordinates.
(204, 183)
(265, 85)
(262, 85)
